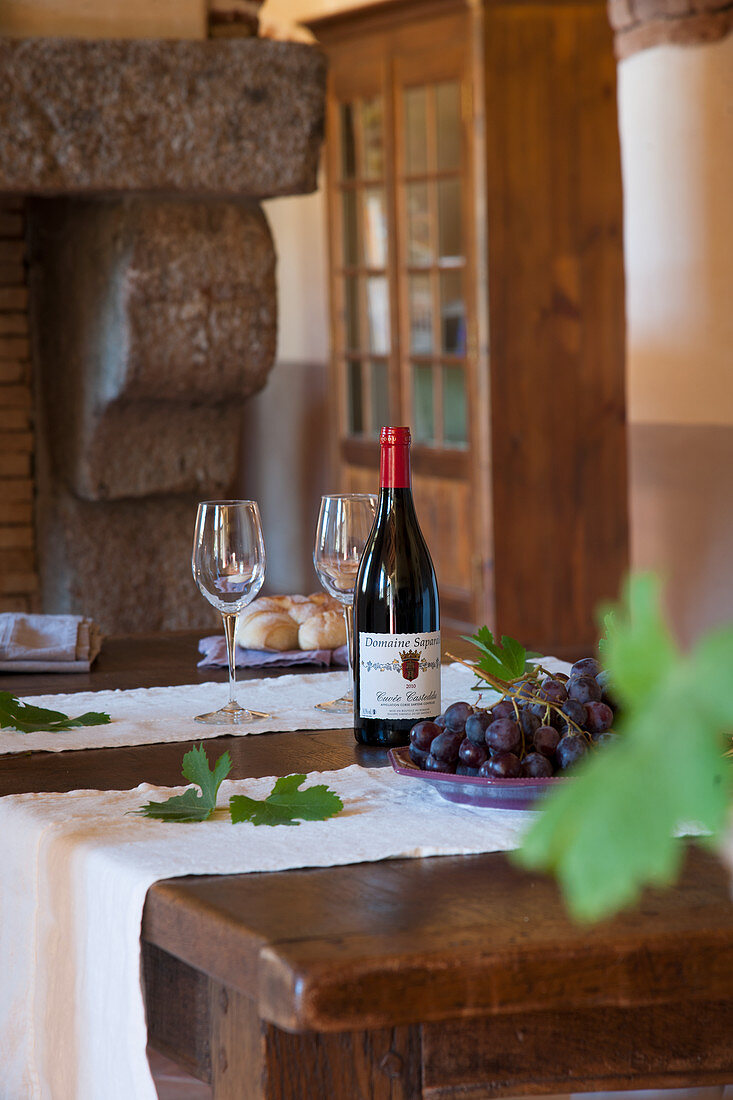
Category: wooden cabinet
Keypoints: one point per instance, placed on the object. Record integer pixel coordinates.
(474, 201)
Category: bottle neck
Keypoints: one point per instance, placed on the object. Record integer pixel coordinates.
(394, 466)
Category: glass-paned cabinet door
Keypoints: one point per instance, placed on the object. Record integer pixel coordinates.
(432, 272)
(363, 334)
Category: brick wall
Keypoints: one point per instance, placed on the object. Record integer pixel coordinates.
(18, 576)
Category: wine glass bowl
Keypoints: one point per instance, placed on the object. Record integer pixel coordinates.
(345, 521)
(228, 565)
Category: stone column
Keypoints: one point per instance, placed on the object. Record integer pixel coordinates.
(641, 24)
(152, 292)
(154, 321)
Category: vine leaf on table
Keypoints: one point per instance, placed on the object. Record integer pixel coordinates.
(192, 805)
(283, 806)
(286, 803)
(29, 719)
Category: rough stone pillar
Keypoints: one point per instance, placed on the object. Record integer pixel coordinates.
(641, 24)
(152, 296)
(154, 321)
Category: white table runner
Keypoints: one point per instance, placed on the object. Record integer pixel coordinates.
(74, 873)
(145, 716)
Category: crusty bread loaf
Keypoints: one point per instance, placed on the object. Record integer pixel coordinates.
(279, 623)
(325, 630)
(269, 630)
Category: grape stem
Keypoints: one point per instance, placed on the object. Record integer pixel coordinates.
(505, 688)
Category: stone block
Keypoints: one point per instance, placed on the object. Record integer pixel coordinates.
(11, 224)
(13, 297)
(13, 324)
(15, 397)
(155, 320)
(16, 441)
(14, 420)
(17, 512)
(12, 372)
(139, 450)
(11, 273)
(126, 564)
(15, 464)
(15, 491)
(15, 603)
(14, 347)
(225, 117)
(16, 538)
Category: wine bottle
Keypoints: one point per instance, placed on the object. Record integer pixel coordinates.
(396, 614)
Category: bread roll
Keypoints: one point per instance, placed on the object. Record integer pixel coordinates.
(302, 611)
(275, 622)
(269, 630)
(264, 603)
(326, 630)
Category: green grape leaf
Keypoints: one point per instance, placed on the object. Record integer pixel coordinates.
(610, 831)
(29, 719)
(286, 803)
(192, 806)
(189, 806)
(196, 768)
(505, 660)
(637, 645)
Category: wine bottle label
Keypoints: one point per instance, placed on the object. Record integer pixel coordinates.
(399, 675)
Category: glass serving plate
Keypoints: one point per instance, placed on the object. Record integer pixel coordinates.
(474, 790)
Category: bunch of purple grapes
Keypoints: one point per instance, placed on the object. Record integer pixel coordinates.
(540, 727)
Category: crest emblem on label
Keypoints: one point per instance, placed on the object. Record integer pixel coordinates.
(410, 664)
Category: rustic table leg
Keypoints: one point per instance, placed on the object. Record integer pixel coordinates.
(237, 1046)
(253, 1060)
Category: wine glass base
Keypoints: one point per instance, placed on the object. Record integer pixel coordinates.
(230, 716)
(344, 705)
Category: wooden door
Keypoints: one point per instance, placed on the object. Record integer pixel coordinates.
(402, 231)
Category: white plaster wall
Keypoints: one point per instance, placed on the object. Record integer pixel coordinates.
(676, 126)
(298, 227)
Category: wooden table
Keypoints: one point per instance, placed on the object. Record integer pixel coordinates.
(436, 978)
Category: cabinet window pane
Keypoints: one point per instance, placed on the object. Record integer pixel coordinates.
(351, 229)
(418, 224)
(375, 228)
(380, 396)
(455, 428)
(354, 397)
(421, 315)
(378, 314)
(351, 310)
(422, 403)
(449, 219)
(416, 133)
(452, 313)
(448, 125)
(348, 141)
(372, 138)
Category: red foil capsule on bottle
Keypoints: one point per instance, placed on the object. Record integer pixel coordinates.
(394, 461)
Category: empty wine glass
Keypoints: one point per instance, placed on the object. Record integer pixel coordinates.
(228, 564)
(344, 523)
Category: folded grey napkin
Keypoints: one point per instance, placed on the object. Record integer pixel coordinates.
(47, 643)
(214, 650)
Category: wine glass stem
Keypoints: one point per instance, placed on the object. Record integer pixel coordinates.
(230, 631)
(349, 617)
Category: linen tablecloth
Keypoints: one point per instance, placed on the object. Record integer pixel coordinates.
(146, 716)
(73, 883)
